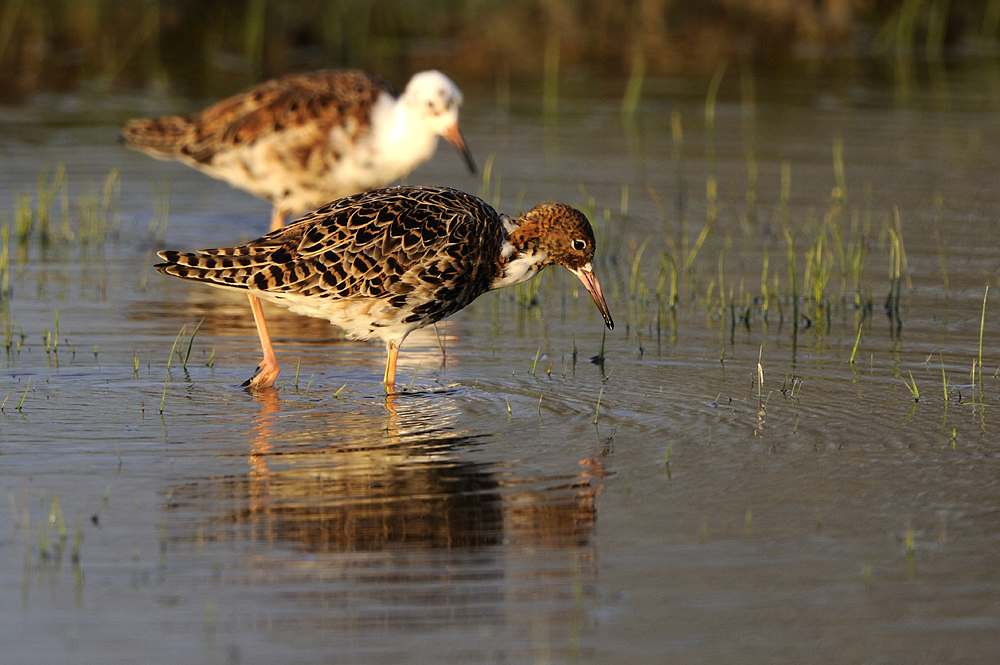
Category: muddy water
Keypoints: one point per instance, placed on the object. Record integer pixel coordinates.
(519, 502)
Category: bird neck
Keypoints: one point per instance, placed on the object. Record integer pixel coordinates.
(521, 256)
(404, 138)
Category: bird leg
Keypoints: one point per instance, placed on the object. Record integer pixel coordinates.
(267, 370)
(277, 218)
(389, 380)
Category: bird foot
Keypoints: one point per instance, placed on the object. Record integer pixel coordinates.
(263, 377)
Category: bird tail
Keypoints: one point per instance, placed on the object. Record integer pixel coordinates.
(231, 268)
(160, 137)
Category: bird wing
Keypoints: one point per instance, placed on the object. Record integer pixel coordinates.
(316, 102)
(433, 249)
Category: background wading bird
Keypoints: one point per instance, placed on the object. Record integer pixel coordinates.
(305, 139)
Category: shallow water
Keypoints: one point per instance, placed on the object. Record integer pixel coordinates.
(519, 502)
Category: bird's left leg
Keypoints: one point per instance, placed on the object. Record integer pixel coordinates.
(267, 370)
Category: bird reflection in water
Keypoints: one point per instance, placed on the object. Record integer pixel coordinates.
(369, 479)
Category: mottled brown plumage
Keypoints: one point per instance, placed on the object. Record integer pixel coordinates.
(305, 139)
(384, 263)
(318, 101)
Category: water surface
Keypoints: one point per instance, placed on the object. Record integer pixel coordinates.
(519, 502)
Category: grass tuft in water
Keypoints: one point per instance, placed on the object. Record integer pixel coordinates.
(711, 185)
(944, 378)
(489, 190)
(4, 259)
(163, 397)
(97, 214)
(57, 522)
(157, 229)
(77, 545)
(175, 347)
(534, 364)
(187, 354)
(23, 396)
(409, 386)
(982, 326)
(760, 379)
(912, 387)
(793, 277)
(633, 89)
(857, 341)
(597, 410)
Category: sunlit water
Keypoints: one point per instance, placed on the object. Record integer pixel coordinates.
(520, 502)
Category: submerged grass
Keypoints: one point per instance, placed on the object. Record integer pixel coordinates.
(157, 229)
(597, 410)
(821, 271)
(857, 341)
(91, 219)
(187, 353)
(944, 378)
(633, 89)
(912, 387)
(982, 327)
(23, 396)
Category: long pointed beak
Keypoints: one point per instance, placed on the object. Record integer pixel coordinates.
(453, 135)
(589, 279)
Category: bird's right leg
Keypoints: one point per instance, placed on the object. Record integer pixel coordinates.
(267, 370)
(389, 378)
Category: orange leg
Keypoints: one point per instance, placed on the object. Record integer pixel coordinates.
(268, 369)
(277, 219)
(389, 380)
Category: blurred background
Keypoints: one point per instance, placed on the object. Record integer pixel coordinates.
(795, 203)
(209, 49)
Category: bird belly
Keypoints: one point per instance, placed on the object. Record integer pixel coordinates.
(361, 318)
(259, 169)
(294, 176)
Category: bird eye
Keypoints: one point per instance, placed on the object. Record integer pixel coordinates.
(579, 245)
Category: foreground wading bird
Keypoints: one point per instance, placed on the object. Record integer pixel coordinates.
(305, 139)
(384, 263)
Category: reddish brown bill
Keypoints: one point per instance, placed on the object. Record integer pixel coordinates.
(589, 279)
(453, 135)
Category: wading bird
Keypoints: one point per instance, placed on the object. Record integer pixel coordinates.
(302, 140)
(384, 263)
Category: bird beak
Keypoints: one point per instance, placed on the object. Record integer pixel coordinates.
(453, 135)
(589, 279)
